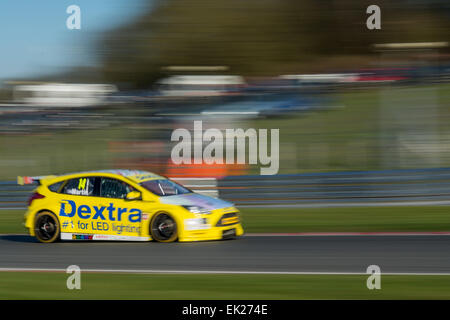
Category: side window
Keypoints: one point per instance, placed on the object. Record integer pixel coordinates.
(80, 186)
(112, 188)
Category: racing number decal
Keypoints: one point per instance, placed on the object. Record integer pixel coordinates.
(82, 183)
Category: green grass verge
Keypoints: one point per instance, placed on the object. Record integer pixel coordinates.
(29, 285)
(364, 219)
(357, 219)
(11, 221)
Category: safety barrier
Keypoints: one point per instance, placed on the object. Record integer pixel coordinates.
(389, 187)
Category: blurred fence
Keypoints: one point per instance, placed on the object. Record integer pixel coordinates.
(389, 187)
(13, 195)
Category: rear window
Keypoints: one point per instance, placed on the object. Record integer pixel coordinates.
(56, 186)
(164, 187)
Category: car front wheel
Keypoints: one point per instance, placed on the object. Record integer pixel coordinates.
(163, 228)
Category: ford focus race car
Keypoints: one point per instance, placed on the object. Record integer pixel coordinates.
(125, 205)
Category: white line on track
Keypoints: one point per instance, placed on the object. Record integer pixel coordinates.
(151, 271)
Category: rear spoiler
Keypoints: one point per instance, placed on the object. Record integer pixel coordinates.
(30, 180)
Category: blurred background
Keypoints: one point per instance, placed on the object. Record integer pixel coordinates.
(351, 103)
(364, 129)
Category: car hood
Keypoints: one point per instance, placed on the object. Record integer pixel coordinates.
(195, 199)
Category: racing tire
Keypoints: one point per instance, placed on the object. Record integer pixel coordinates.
(46, 227)
(163, 228)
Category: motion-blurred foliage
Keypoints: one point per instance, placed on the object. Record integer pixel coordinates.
(264, 37)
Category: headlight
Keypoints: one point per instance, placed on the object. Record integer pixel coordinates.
(196, 224)
(197, 209)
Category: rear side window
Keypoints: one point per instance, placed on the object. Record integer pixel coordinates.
(80, 186)
(56, 186)
(112, 188)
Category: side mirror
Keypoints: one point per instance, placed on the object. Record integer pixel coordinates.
(134, 195)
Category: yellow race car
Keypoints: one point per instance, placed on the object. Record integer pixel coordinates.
(125, 205)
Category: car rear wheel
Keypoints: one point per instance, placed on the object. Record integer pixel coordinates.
(163, 228)
(46, 227)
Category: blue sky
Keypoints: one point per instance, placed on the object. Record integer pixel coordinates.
(35, 40)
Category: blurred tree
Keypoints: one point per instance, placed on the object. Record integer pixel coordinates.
(259, 37)
(6, 95)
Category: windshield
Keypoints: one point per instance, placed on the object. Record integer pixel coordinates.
(164, 187)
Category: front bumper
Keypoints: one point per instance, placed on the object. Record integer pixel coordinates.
(214, 233)
(220, 224)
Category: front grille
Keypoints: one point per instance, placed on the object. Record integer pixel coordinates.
(228, 219)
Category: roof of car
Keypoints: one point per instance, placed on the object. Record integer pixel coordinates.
(135, 175)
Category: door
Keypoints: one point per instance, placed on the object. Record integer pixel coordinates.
(76, 207)
(123, 217)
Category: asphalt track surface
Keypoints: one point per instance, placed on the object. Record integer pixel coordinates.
(327, 254)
